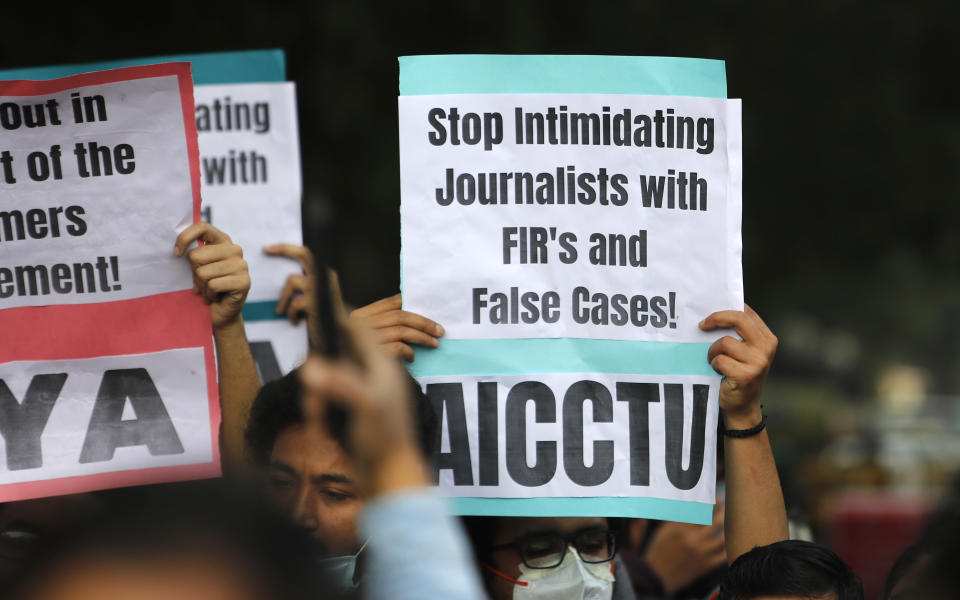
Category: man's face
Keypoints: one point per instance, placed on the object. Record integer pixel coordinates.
(311, 477)
(508, 560)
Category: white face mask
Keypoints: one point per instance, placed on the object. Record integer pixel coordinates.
(572, 579)
(342, 572)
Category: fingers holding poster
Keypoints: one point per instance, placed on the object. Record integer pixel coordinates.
(591, 215)
(83, 162)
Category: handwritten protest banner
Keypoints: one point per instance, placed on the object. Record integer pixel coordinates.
(108, 376)
(250, 177)
(569, 221)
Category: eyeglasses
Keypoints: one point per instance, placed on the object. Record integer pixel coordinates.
(546, 551)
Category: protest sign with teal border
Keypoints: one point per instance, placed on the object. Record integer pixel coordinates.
(519, 74)
(244, 66)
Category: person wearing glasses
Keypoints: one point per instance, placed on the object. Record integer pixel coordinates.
(529, 558)
(537, 557)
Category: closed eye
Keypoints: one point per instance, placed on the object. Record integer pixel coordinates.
(335, 495)
(281, 483)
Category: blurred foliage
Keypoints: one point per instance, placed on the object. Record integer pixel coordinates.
(850, 129)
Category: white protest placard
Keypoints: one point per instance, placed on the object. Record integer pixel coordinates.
(594, 216)
(103, 415)
(81, 173)
(111, 381)
(570, 234)
(563, 435)
(250, 167)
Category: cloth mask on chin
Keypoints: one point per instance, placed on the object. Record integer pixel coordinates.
(572, 579)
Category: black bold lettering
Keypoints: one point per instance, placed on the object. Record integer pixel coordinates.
(13, 226)
(580, 294)
(447, 399)
(659, 318)
(108, 431)
(265, 359)
(638, 397)
(438, 137)
(684, 479)
(573, 462)
(487, 412)
(123, 159)
(22, 423)
(569, 253)
(551, 305)
(545, 406)
(471, 128)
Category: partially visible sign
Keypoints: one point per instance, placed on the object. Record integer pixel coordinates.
(570, 220)
(576, 435)
(111, 378)
(246, 117)
(250, 169)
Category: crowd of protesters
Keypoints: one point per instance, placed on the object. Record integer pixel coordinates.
(315, 506)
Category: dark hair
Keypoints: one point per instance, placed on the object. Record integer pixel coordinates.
(911, 558)
(277, 407)
(208, 520)
(930, 563)
(790, 568)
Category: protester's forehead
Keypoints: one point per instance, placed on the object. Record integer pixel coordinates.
(312, 450)
(511, 527)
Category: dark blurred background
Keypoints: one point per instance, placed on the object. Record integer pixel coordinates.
(851, 208)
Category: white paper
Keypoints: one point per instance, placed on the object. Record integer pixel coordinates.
(451, 250)
(618, 483)
(134, 217)
(287, 344)
(180, 380)
(251, 187)
(250, 173)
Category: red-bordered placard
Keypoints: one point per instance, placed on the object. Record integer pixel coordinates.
(144, 325)
(180, 70)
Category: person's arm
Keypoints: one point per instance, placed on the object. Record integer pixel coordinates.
(755, 511)
(220, 276)
(416, 550)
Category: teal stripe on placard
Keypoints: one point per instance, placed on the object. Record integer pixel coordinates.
(244, 66)
(634, 508)
(554, 74)
(560, 355)
(262, 311)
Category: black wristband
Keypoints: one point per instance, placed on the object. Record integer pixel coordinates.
(745, 433)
